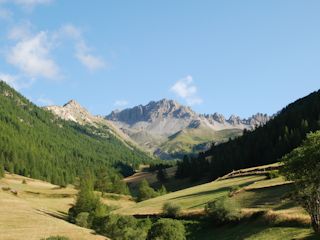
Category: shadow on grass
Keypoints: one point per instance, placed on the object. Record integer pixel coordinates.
(312, 236)
(60, 215)
(267, 196)
(212, 192)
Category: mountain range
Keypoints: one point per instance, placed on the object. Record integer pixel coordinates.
(164, 128)
(36, 143)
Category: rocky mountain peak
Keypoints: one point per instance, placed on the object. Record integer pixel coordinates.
(72, 104)
(161, 109)
(72, 111)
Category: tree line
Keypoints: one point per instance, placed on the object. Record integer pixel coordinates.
(264, 145)
(36, 144)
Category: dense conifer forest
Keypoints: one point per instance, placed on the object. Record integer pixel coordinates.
(34, 143)
(266, 144)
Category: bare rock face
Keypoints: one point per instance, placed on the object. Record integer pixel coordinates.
(153, 124)
(73, 111)
(152, 112)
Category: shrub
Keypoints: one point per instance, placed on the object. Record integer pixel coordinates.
(24, 181)
(162, 190)
(56, 238)
(82, 219)
(165, 229)
(222, 210)
(119, 227)
(171, 209)
(145, 191)
(272, 174)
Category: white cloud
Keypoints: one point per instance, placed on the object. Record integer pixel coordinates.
(121, 103)
(31, 54)
(88, 60)
(186, 89)
(42, 101)
(31, 3)
(21, 31)
(82, 51)
(71, 31)
(16, 81)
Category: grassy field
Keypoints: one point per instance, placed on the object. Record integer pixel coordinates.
(37, 211)
(185, 140)
(191, 199)
(39, 208)
(283, 218)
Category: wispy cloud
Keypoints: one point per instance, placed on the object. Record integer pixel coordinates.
(82, 51)
(32, 55)
(15, 81)
(186, 89)
(121, 103)
(90, 61)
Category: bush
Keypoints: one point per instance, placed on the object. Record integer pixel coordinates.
(171, 209)
(24, 181)
(56, 238)
(165, 229)
(119, 227)
(223, 210)
(162, 190)
(145, 191)
(272, 174)
(82, 219)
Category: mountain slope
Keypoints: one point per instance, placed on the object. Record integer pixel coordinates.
(266, 144)
(35, 143)
(169, 128)
(73, 111)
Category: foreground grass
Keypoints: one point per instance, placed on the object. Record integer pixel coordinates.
(249, 231)
(37, 211)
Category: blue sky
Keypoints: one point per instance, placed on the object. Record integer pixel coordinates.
(238, 57)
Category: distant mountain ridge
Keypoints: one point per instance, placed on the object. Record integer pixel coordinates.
(158, 122)
(170, 108)
(164, 128)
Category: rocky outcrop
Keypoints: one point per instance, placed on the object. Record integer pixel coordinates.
(153, 124)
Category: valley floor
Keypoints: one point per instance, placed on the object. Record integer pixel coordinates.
(39, 209)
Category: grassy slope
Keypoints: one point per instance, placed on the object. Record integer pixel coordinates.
(37, 211)
(257, 193)
(185, 140)
(191, 199)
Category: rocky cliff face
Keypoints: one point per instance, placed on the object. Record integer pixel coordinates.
(152, 112)
(153, 124)
(73, 111)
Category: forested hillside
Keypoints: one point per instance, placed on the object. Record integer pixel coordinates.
(34, 143)
(266, 144)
